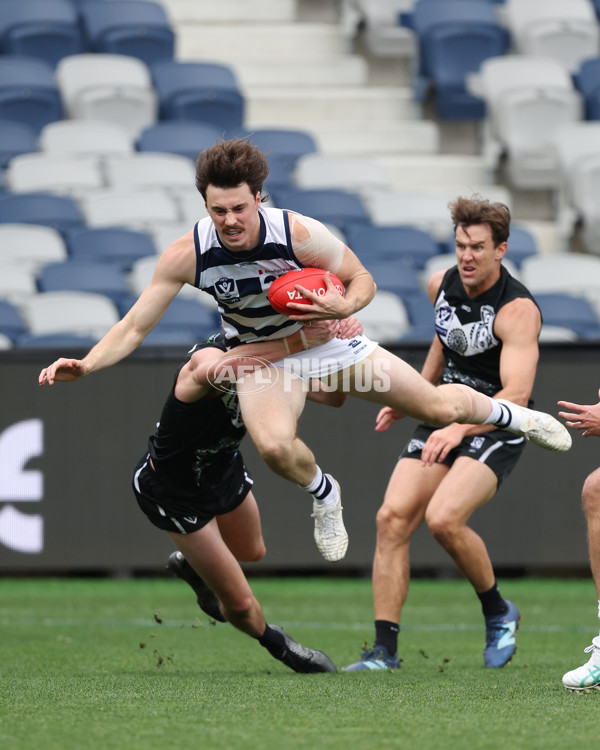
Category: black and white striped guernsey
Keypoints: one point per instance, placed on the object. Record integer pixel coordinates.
(239, 281)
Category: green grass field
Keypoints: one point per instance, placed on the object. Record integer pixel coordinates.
(87, 664)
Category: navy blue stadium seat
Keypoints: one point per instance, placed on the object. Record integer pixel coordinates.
(48, 29)
(183, 314)
(198, 91)
(337, 207)
(412, 245)
(11, 322)
(569, 311)
(455, 37)
(138, 28)
(15, 138)
(179, 137)
(283, 148)
(56, 211)
(84, 276)
(28, 91)
(587, 82)
(115, 245)
(55, 341)
(399, 277)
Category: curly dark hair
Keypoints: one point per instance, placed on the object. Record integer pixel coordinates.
(230, 163)
(476, 210)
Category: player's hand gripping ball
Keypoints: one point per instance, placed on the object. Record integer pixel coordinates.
(283, 289)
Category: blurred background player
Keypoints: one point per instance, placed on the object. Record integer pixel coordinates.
(586, 418)
(487, 327)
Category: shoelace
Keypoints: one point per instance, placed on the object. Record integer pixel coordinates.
(328, 520)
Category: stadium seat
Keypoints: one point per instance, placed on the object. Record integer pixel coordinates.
(565, 31)
(190, 205)
(28, 92)
(336, 207)
(17, 283)
(569, 311)
(141, 273)
(108, 245)
(577, 147)
(179, 137)
(567, 273)
(412, 245)
(5, 342)
(137, 209)
(138, 28)
(94, 137)
(198, 91)
(587, 82)
(455, 36)
(283, 145)
(379, 21)
(28, 246)
(15, 138)
(359, 174)
(398, 276)
(149, 169)
(186, 314)
(11, 321)
(385, 318)
(54, 173)
(79, 313)
(57, 211)
(48, 29)
(528, 99)
(56, 341)
(114, 88)
(86, 276)
(416, 208)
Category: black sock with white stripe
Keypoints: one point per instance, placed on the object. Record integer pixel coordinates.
(322, 489)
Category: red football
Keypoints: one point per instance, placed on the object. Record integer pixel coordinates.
(283, 290)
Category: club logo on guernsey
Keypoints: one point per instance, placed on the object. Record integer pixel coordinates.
(226, 288)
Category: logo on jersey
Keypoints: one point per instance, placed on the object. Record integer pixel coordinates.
(226, 289)
(476, 444)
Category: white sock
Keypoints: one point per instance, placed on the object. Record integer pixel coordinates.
(322, 489)
(599, 609)
(503, 416)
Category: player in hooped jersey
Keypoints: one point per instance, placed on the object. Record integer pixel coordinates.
(487, 325)
(231, 254)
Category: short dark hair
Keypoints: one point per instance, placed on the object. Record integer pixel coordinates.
(477, 210)
(230, 163)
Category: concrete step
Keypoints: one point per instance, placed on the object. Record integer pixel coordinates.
(342, 70)
(376, 137)
(243, 42)
(287, 107)
(225, 11)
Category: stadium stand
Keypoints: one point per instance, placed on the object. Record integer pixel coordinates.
(28, 91)
(47, 29)
(15, 138)
(85, 137)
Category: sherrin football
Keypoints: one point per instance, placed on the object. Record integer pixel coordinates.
(283, 290)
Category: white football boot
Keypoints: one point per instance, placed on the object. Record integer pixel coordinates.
(330, 533)
(587, 677)
(541, 428)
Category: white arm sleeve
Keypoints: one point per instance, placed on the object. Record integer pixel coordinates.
(321, 249)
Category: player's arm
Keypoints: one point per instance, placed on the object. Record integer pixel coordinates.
(314, 245)
(175, 267)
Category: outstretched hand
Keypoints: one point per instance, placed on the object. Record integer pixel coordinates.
(582, 417)
(64, 370)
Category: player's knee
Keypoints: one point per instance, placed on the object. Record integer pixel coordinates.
(590, 495)
(277, 453)
(391, 526)
(441, 526)
(255, 553)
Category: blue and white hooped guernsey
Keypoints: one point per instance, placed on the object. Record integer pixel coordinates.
(239, 281)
